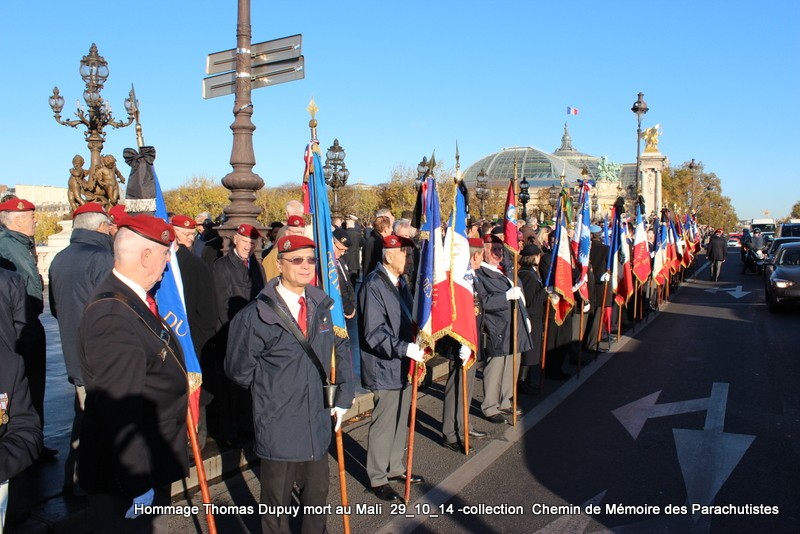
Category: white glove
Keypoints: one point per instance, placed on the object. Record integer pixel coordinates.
(464, 353)
(528, 323)
(554, 298)
(338, 413)
(587, 307)
(605, 278)
(415, 353)
(145, 499)
(515, 293)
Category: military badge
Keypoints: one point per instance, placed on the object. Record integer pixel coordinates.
(3, 408)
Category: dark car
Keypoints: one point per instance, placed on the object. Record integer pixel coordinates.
(790, 229)
(773, 248)
(783, 286)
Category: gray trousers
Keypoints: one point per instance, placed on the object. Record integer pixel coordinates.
(453, 409)
(388, 434)
(498, 384)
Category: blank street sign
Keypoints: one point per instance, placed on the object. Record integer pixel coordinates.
(261, 54)
(261, 76)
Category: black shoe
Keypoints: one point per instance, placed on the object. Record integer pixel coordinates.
(453, 446)
(497, 419)
(415, 479)
(477, 434)
(510, 411)
(386, 493)
(558, 375)
(527, 389)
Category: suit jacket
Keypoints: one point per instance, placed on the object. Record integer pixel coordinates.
(21, 437)
(385, 332)
(598, 260)
(133, 436)
(497, 318)
(717, 249)
(200, 297)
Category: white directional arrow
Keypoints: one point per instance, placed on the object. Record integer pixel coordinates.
(634, 415)
(735, 292)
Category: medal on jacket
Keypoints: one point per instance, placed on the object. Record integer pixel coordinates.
(3, 408)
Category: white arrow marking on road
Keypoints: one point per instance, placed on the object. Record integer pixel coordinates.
(707, 457)
(735, 292)
(634, 415)
(575, 523)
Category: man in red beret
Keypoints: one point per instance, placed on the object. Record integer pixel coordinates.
(295, 225)
(133, 437)
(387, 347)
(75, 273)
(717, 253)
(18, 253)
(266, 354)
(115, 214)
(238, 278)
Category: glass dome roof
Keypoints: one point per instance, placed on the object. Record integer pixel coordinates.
(540, 168)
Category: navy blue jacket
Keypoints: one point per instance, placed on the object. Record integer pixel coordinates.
(497, 315)
(290, 419)
(21, 437)
(385, 332)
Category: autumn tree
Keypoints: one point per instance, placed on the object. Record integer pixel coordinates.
(197, 195)
(795, 213)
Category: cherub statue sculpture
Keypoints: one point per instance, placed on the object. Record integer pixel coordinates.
(105, 176)
(78, 188)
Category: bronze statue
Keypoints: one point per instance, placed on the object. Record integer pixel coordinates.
(104, 178)
(77, 187)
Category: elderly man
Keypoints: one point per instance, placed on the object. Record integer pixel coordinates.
(384, 312)
(75, 273)
(498, 293)
(18, 253)
(278, 347)
(115, 214)
(238, 278)
(717, 253)
(133, 437)
(295, 225)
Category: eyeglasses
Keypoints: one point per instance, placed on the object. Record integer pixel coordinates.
(311, 260)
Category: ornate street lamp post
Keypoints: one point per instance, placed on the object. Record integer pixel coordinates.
(423, 168)
(524, 197)
(639, 108)
(482, 191)
(554, 191)
(595, 205)
(97, 115)
(692, 168)
(336, 173)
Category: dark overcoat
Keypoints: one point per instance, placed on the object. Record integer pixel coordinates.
(21, 435)
(497, 318)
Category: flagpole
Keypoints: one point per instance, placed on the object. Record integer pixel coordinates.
(201, 474)
(602, 321)
(514, 321)
(340, 459)
(544, 342)
(411, 424)
(465, 407)
(580, 343)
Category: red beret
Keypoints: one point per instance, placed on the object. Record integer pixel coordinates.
(116, 213)
(248, 230)
(17, 204)
(149, 227)
(183, 221)
(296, 221)
(89, 207)
(475, 242)
(289, 243)
(393, 241)
(718, 231)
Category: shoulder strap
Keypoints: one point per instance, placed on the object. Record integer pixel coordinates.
(291, 325)
(145, 315)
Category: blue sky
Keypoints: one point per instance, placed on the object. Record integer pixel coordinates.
(394, 81)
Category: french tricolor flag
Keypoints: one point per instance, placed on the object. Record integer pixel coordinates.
(572, 111)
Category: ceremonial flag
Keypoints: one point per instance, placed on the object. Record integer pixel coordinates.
(572, 111)
(606, 233)
(641, 249)
(660, 262)
(621, 277)
(510, 226)
(672, 247)
(460, 275)
(327, 272)
(561, 269)
(308, 158)
(581, 241)
(432, 309)
(172, 307)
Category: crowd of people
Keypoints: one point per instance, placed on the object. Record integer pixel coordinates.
(263, 333)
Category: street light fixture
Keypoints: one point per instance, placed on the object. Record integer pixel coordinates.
(336, 173)
(482, 191)
(595, 205)
(524, 197)
(94, 71)
(639, 108)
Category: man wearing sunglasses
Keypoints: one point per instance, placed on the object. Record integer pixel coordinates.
(265, 354)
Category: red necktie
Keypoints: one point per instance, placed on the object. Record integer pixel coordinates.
(302, 318)
(151, 303)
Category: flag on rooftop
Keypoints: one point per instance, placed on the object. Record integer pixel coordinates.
(572, 111)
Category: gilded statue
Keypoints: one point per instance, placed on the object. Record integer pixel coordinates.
(78, 186)
(650, 136)
(105, 176)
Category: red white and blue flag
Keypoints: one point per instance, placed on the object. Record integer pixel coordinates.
(621, 276)
(660, 261)
(572, 111)
(560, 274)
(581, 241)
(641, 249)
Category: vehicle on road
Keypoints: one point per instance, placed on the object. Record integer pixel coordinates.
(790, 229)
(783, 286)
(769, 263)
(734, 242)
